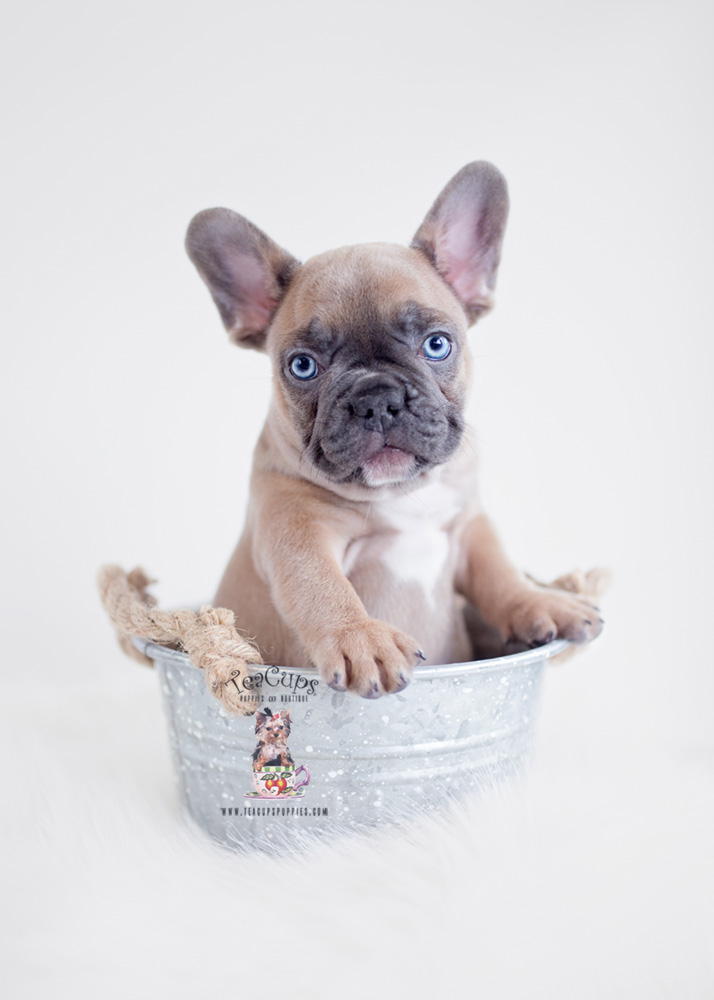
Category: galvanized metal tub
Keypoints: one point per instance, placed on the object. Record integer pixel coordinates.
(455, 730)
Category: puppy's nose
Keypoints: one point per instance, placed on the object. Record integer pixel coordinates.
(378, 406)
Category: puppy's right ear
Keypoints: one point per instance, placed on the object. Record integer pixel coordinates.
(463, 232)
(246, 272)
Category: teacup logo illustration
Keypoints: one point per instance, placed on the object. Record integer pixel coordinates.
(274, 770)
(271, 782)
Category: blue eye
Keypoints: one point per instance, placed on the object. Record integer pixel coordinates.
(436, 347)
(304, 367)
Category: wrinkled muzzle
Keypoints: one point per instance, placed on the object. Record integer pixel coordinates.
(382, 426)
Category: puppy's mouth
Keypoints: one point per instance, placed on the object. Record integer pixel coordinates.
(388, 464)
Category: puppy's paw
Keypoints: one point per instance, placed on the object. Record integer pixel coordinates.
(539, 615)
(370, 658)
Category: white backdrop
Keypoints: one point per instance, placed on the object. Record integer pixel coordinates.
(328, 124)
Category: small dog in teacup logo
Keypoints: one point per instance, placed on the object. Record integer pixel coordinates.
(272, 732)
(274, 770)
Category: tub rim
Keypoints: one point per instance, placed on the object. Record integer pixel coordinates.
(421, 673)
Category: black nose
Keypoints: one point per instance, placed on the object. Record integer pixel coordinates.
(378, 405)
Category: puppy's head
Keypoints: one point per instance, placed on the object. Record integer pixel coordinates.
(368, 343)
(272, 728)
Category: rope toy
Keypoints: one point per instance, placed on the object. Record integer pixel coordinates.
(209, 637)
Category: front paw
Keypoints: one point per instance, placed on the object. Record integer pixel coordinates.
(540, 615)
(370, 658)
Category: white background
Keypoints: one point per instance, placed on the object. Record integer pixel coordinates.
(129, 420)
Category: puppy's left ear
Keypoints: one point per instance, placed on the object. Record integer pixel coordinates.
(463, 233)
(246, 272)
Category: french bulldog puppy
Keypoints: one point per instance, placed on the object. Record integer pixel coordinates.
(365, 547)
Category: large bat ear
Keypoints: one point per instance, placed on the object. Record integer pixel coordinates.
(463, 232)
(246, 272)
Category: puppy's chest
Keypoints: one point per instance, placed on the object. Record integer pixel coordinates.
(272, 748)
(409, 540)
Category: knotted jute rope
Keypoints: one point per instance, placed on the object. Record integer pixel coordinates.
(209, 637)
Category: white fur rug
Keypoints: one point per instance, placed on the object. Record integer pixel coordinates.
(593, 880)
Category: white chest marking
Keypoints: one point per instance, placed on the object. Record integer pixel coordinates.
(416, 543)
(421, 559)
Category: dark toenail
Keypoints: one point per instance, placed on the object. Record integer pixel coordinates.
(420, 655)
(588, 622)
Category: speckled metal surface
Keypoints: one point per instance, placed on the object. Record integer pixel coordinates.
(454, 730)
